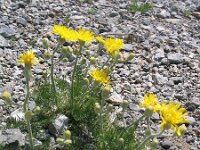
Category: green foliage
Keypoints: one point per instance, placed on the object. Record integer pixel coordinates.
(187, 12)
(135, 7)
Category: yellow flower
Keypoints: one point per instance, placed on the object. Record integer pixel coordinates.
(65, 33)
(100, 76)
(172, 116)
(5, 95)
(150, 102)
(100, 39)
(28, 58)
(85, 35)
(113, 46)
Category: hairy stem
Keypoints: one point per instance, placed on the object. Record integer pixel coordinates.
(52, 72)
(73, 74)
(27, 76)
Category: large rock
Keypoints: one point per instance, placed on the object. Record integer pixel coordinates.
(7, 31)
(175, 58)
(12, 138)
(3, 42)
(57, 126)
(115, 99)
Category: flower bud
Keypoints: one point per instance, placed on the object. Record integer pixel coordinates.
(97, 107)
(121, 141)
(45, 42)
(5, 96)
(154, 143)
(93, 60)
(37, 110)
(46, 55)
(106, 91)
(67, 134)
(148, 112)
(28, 115)
(83, 61)
(131, 56)
(86, 81)
(64, 50)
(181, 130)
(65, 60)
(87, 53)
(75, 52)
(59, 140)
(109, 107)
(124, 104)
(68, 142)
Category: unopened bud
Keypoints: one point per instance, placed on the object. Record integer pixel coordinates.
(68, 142)
(59, 140)
(45, 42)
(37, 110)
(109, 107)
(148, 112)
(93, 60)
(87, 53)
(65, 60)
(28, 115)
(181, 130)
(86, 81)
(121, 140)
(131, 56)
(97, 107)
(5, 96)
(75, 52)
(106, 91)
(67, 134)
(46, 55)
(124, 104)
(83, 61)
(154, 143)
(66, 50)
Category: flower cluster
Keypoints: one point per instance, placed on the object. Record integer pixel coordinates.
(172, 115)
(73, 35)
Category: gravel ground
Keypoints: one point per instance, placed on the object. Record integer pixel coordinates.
(166, 41)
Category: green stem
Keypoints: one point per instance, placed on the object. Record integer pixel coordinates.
(52, 72)
(131, 125)
(73, 75)
(144, 142)
(106, 62)
(148, 124)
(101, 117)
(25, 108)
(30, 134)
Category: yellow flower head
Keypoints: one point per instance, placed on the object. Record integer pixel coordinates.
(172, 115)
(150, 102)
(85, 35)
(65, 33)
(113, 46)
(100, 39)
(100, 76)
(28, 58)
(5, 95)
